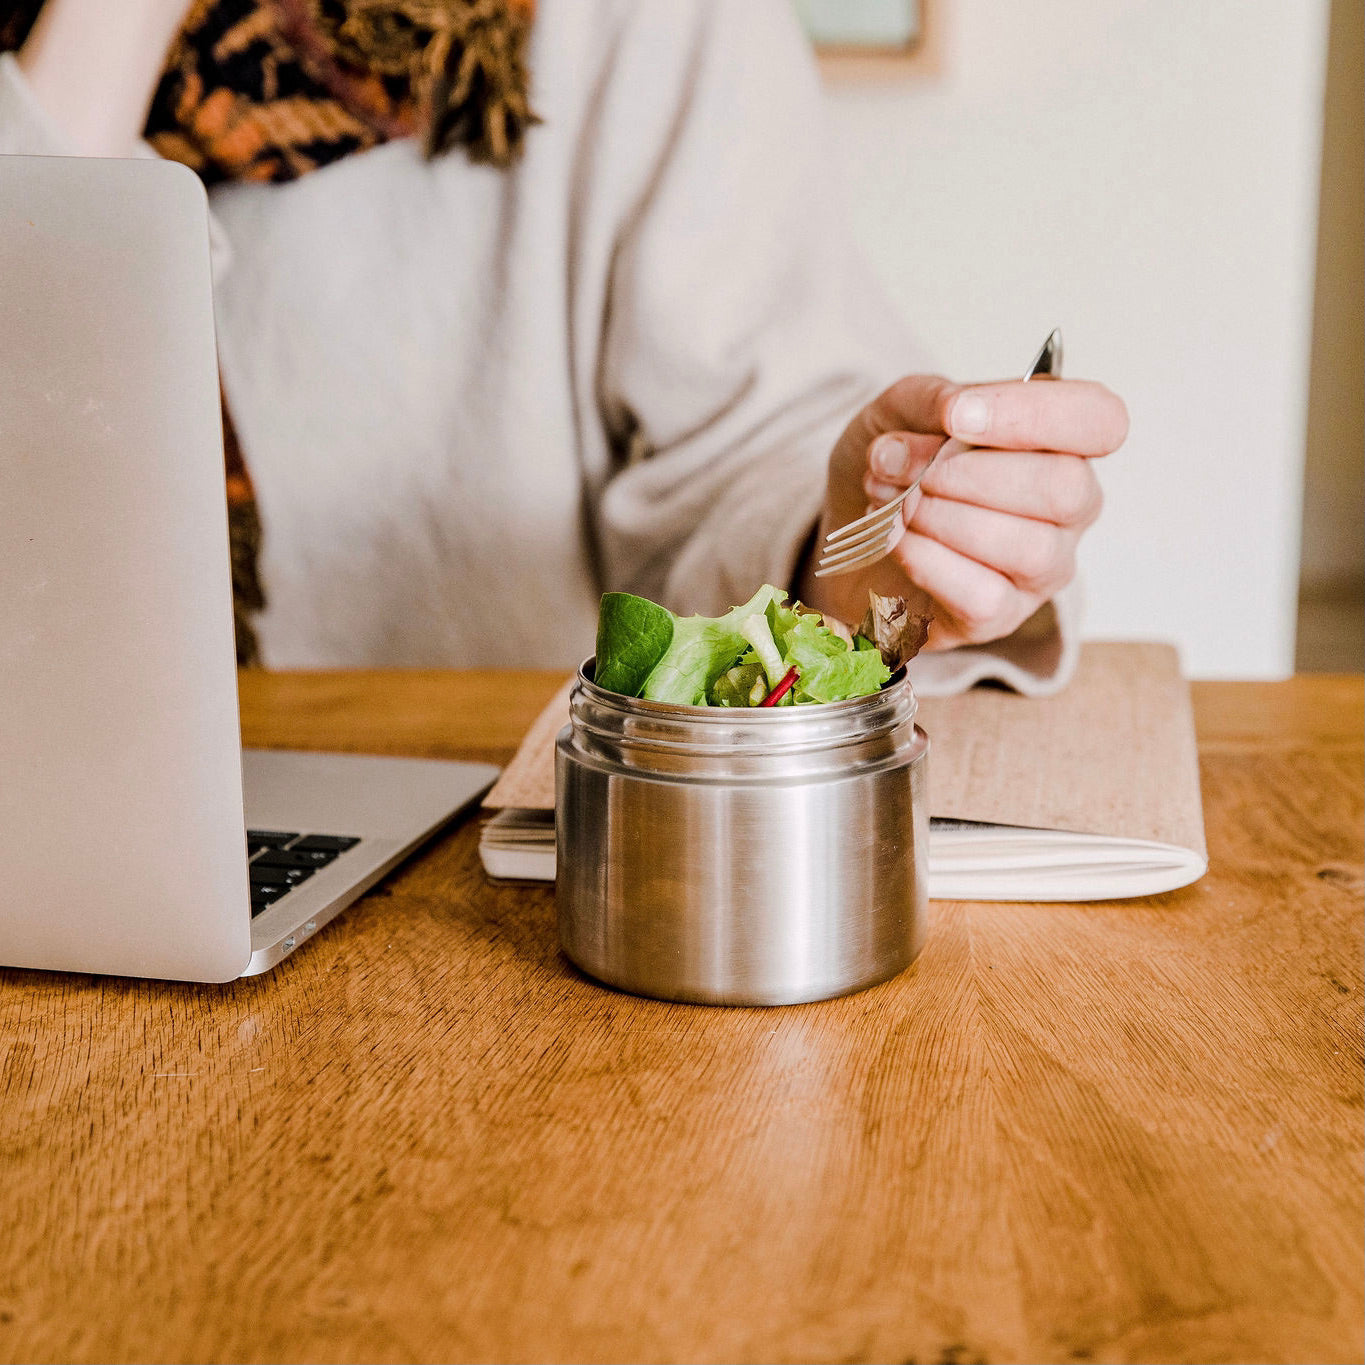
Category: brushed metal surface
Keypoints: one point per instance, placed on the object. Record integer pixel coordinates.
(741, 857)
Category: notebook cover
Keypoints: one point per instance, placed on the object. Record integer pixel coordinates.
(1112, 754)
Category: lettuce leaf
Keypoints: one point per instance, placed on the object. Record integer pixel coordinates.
(829, 670)
(760, 636)
(782, 621)
(644, 650)
(702, 648)
(746, 684)
(633, 634)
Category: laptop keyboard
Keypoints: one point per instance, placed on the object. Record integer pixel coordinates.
(280, 861)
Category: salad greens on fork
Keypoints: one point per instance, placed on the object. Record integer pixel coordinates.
(762, 653)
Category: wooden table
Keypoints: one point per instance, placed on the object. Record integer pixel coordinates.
(1075, 1133)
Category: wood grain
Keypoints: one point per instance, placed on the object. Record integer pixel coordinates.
(424, 714)
(1118, 1132)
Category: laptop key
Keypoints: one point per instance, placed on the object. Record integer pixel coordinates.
(324, 843)
(266, 895)
(270, 838)
(282, 876)
(287, 857)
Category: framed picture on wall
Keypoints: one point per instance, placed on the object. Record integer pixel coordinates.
(872, 37)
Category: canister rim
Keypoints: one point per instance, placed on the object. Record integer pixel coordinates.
(741, 740)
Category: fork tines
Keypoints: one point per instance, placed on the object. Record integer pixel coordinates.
(861, 542)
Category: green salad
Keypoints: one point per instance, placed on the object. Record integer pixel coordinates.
(763, 653)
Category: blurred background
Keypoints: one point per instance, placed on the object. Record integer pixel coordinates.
(1179, 187)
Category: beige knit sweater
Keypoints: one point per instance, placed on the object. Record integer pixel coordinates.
(471, 399)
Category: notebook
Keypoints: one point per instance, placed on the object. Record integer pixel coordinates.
(1092, 794)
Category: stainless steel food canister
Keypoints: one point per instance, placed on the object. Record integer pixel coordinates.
(741, 857)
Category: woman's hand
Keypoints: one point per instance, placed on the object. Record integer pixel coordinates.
(93, 65)
(991, 532)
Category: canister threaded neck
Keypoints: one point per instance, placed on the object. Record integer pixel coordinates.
(811, 741)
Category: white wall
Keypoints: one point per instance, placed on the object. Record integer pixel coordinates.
(1144, 175)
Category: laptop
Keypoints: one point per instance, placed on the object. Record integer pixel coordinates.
(136, 838)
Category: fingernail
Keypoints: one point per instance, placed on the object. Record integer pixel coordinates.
(971, 415)
(888, 455)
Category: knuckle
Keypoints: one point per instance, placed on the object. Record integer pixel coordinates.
(1061, 569)
(1072, 490)
(971, 624)
(981, 610)
(925, 511)
(1094, 505)
(996, 600)
(1037, 559)
(908, 554)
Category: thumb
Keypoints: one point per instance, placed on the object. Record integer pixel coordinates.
(919, 402)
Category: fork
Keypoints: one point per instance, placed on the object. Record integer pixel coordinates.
(872, 537)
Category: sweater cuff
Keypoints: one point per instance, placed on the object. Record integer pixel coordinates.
(1037, 660)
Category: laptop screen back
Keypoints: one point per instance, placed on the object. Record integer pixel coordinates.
(121, 827)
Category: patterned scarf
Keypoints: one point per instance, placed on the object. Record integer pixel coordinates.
(268, 90)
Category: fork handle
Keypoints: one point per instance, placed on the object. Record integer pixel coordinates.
(952, 446)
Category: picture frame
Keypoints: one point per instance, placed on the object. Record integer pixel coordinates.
(876, 39)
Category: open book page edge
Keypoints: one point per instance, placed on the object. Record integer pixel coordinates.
(1077, 882)
(979, 840)
(997, 863)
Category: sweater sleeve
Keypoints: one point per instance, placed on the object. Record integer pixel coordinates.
(743, 332)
